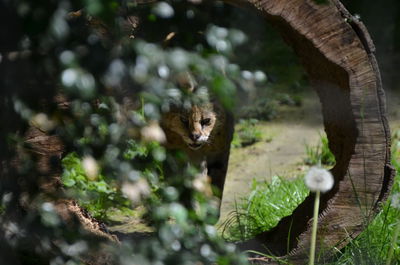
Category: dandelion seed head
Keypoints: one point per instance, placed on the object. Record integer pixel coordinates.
(319, 179)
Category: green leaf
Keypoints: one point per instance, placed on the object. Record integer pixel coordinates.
(102, 187)
(69, 182)
(225, 91)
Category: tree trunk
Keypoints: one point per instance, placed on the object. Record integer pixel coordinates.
(338, 55)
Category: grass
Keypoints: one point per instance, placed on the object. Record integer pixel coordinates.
(246, 133)
(264, 207)
(320, 154)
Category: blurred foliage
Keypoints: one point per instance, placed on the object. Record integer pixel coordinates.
(288, 99)
(114, 67)
(113, 79)
(262, 109)
(270, 106)
(264, 207)
(96, 195)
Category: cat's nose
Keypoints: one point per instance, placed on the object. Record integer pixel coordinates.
(194, 136)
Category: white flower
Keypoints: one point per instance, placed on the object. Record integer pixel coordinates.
(163, 10)
(135, 191)
(396, 201)
(90, 167)
(319, 179)
(153, 132)
(42, 121)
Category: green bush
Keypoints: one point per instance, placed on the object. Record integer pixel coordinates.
(288, 99)
(263, 109)
(98, 195)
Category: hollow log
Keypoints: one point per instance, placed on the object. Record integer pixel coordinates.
(339, 58)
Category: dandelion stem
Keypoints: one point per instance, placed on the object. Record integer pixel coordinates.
(314, 228)
(394, 240)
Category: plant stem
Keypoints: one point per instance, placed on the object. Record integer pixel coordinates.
(142, 106)
(314, 228)
(394, 240)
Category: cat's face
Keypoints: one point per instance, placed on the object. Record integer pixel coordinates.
(194, 125)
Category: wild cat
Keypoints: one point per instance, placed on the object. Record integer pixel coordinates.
(204, 132)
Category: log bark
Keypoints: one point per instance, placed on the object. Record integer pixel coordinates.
(339, 57)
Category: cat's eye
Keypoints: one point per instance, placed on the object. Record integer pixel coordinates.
(205, 122)
(185, 121)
